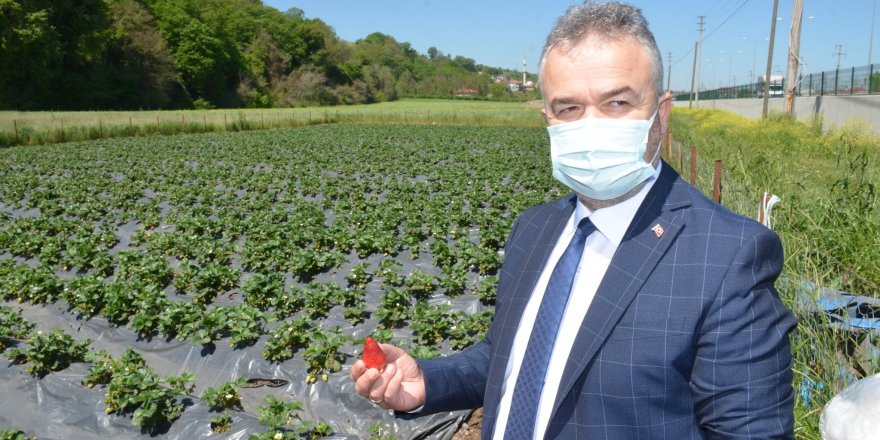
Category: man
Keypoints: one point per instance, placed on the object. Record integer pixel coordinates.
(668, 326)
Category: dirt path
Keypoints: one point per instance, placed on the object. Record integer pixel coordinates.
(470, 429)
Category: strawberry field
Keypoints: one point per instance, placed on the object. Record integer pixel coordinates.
(218, 285)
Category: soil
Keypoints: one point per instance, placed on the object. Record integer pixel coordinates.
(470, 429)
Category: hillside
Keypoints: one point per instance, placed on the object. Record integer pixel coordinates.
(152, 54)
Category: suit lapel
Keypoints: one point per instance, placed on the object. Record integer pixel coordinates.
(638, 254)
(533, 247)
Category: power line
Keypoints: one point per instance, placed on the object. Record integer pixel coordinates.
(722, 23)
(838, 51)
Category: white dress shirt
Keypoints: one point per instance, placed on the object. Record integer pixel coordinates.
(611, 224)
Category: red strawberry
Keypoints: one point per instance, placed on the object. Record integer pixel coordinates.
(373, 356)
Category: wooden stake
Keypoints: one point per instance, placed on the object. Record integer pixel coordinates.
(62, 129)
(693, 164)
(680, 160)
(101, 127)
(130, 128)
(15, 125)
(716, 182)
(224, 122)
(205, 121)
(159, 129)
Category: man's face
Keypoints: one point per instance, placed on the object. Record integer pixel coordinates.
(602, 79)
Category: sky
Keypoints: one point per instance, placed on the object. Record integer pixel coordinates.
(504, 33)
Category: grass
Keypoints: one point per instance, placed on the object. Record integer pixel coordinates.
(828, 219)
(34, 128)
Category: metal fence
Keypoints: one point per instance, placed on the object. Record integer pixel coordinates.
(862, 80)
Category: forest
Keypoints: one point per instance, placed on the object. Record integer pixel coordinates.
(179, 54)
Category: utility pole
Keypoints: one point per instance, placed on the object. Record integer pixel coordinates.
(701, 23)
(871, 39)
(669, 73)
(770, 59)
(693, 76)
(838, 51)
(794, 45)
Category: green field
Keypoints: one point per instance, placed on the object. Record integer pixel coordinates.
(387, 220)
(34, 128)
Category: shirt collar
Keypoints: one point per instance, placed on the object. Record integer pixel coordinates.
(614, 220)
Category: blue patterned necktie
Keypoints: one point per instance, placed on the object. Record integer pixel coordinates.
(530, 382)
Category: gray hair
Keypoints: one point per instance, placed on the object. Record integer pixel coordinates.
(609, 21)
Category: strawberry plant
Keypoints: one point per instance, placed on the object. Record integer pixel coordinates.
(14, 434)
(355, 315)
(487, 289)
(143, 266)
(394, 308)
(288, 302)
(322, 356)
(389, 272)
(85, 295)
(383, 335)
(423, 351)
(149, 306)
(430, 324)
(287, 339)
(221, 423)
(443, 255)
(243, 324)
(225, 397)
(306, 263)
(85, 254)
(320, 298)
(180, 319)
(120, 301)
(53, 351)
(38, 286)
(380, 431)
(12, 328)
(134, 388)
(205, 283)
(454, 281)
(420, 284)
(277, 414)
(358, 277)
(262, 289)
(468, 328)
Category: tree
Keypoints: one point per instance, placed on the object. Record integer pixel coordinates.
(201, 58)
(432, 52)
(29, 54)
(145, 72)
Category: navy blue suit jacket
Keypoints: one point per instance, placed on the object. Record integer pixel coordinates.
(686, 337)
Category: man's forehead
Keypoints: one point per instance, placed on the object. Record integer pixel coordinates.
(599, 44)
(604, 68)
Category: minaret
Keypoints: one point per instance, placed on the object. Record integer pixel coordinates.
(524, 73)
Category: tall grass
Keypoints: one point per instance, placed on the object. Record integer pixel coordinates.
(828, 219)
(34, 128)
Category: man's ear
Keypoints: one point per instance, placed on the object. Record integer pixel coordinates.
(544, 114)
(665, 109)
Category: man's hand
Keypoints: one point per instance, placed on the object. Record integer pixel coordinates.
(400, 386)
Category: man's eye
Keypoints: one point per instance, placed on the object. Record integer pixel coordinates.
(567, 110)
(619, 103)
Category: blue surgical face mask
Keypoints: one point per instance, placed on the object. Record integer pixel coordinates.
(601, 159)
